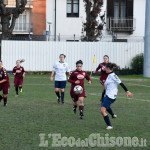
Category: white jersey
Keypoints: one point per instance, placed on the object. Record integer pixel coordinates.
(60, 70)
(111, 85)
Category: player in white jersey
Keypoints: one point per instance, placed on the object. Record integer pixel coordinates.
(60, 68)
(111, 90)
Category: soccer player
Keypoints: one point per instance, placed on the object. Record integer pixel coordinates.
(77, 78)
(104, 75)
(60, 68)
(4, 83)
(111, 90)
(19, 74)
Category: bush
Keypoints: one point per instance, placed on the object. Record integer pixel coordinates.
(123, 71)
(137, 64)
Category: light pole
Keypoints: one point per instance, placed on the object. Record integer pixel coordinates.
(49, 23)
(147, 41)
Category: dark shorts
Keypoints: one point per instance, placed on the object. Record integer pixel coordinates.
(106, 102)
(76, 97)
(18, 82)
(102, 82)
(60, 84)
(5, 89)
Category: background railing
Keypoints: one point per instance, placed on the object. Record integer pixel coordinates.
(119, 24)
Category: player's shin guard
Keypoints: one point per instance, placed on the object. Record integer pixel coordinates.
(58, 96)
(103, 94)
(16, 88)
(74, 108)
(20, 88)
(62, 96)
(109, 110)
(1, 98)
(5, 101)
(106, 118)
(81, 108)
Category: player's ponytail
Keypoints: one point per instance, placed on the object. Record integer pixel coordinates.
(111, 65)
(79, 62)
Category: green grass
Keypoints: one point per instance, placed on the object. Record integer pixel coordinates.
(36, 111)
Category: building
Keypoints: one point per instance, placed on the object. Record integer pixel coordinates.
(32, 21)
(125, 19)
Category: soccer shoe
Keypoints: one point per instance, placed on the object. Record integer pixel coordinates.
(114, 116)
(62, 101)
(109, 127)
(5, 105)
(16, 95)
(21, 90)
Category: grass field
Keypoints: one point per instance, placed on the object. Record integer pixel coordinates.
(36, 111)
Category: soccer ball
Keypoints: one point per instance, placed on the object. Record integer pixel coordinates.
(78, 89)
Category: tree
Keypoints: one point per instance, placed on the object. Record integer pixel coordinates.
(9, 16)
(94, 21)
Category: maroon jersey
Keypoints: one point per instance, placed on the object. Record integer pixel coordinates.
(19, 72)
(78, 75)
(4, 75)
(103, 72)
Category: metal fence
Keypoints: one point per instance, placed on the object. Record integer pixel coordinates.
(40, 56)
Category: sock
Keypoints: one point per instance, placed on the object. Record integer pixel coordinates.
(75, 106)
(5, 101)
(110, 111)
(62, 96)
(16, 88)
(1, 97)
(58, 95)
(106, 118)
(20, 88)
(81, 108)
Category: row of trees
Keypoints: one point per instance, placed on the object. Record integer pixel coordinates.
(92, 28)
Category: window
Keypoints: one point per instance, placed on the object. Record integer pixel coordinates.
(72, 8)
(120, 8)
(21, 24)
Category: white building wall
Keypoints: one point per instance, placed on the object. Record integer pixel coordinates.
(67, 26)
(40, 56)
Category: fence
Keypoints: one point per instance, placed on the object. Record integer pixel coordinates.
(40, 56)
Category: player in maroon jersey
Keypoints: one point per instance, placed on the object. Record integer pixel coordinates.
(4, 83)
(19, 74)
(104, 75)
(77, 78)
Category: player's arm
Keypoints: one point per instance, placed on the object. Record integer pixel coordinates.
(99, 67)
(52, 75)
(71, 79)
(2, 81)
(68, 70)
(88, 78)
(24, 73)
(53, 72)
(14, 72)
(126, 90)
(118, 81)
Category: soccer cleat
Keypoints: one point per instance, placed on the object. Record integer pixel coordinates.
(114, 116)
(16, 95)
(62, 101)
(5, 105)
(109, 127)
(21, 90)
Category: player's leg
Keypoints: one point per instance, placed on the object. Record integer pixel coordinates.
(1, 97)
(62, 95)
(106, 117)
(81, 106)
(5, 99)
(75, 105)
(57, 90)
(16, 85)
(110, 111)
(63, 86)
(20, 85)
